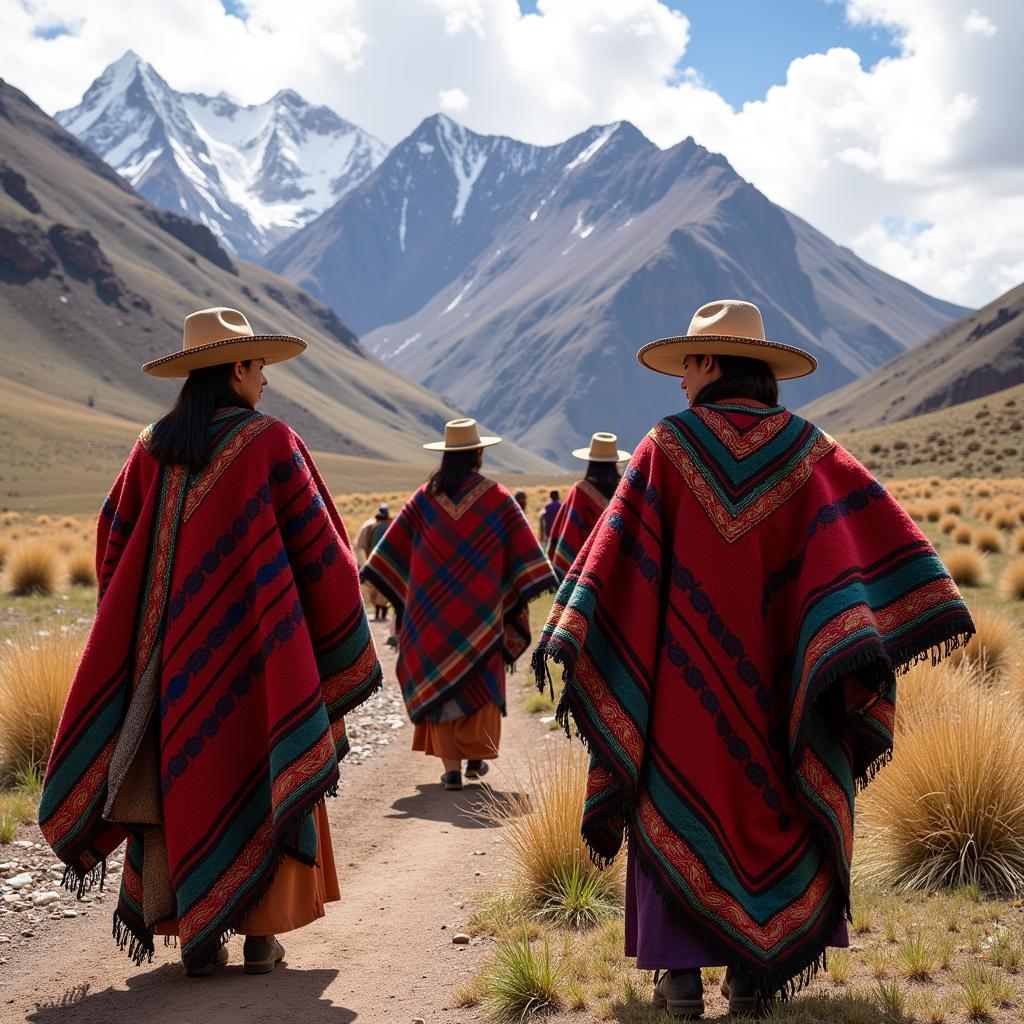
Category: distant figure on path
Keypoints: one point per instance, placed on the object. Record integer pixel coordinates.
(369, 534)
(586, 501)
(460, 564)
(521, 498)
(729, 637)
(547, 517)
(204, 723)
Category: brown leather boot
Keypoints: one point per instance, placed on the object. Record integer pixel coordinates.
(739, 988)
(681, 993)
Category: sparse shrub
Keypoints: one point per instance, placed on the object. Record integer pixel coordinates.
(542, 837)
(1005, 519)
(933, 512)
(948, 523)
(64, 543)
(1011, 581)
(81, 568)
(35, 675)
(916, 958)
(1017, 543)
(949, 809)
(967, 566)
(962, 534)
(33, 567)
(840, 966)
(929, 684)
(889, 996)
(975, 996)
(953, 506)
(914, 510)
(578, 898)
(986, 538)
(995, 648)
(8, 518)
(5, 546)
(519, 981)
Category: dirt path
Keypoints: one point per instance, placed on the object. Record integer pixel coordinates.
(410, 857)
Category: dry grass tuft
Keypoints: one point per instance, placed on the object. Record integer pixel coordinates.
(1011, 581)
(988, 538)
(35, 675)
(948, 523)
(995, 649)
(1016, 545)
(81, 568)
(967, 566)
(541, 832)
(963, 534)
(1005, 519)
(928, 685)
(949, 810)
(33, 567)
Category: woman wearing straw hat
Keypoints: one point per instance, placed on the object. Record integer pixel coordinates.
(587, 499)
(460, 564)
(730, 636)
(204, 723)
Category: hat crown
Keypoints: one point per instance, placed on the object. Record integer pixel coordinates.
(219, 323)
(462, 433)
(731, 318)
(604, 445)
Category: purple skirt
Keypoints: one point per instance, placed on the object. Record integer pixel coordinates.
(658, 940)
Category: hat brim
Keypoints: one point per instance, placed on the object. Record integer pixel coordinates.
(273, 348)
(584, 454)
(440, 446)
(666, 354)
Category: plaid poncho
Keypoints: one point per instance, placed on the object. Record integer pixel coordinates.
(573, 523)
(729, 636)
(463, 569)
(205, 719)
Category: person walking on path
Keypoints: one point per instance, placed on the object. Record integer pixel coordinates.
(366, 540)
(587, 499)
(547, 516)
(460, 564)
(204, 724)
(730, 637)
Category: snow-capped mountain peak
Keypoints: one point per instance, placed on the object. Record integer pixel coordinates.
(252, 174)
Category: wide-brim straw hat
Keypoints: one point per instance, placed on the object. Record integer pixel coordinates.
(727, 327)
(212, 337)
(604, 447)
(461, 436)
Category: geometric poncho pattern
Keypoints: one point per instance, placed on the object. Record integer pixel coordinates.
(204, 722)
(464, 570)
(730, 637)
(573, 523)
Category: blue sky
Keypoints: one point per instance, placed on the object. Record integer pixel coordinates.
(743, 47)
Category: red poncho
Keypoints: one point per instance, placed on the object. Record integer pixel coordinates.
(205, 719)
(576, 518)
(730, 635)
(463, 569)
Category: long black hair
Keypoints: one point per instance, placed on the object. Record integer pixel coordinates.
(182, 436)
(604, 476)
(741, 378)
(449, 477)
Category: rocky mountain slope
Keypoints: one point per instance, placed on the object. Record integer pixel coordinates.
(94, 281)
(519, 280)
(251, 174)
(976, 355)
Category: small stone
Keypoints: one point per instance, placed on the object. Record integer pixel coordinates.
(44, 899)
(20, 881)
(460, 939)
(4, 939)
(24, 844)
(71, 913)
(27, 933)
(479, 853)
(478, 874)
(444, 927)
(418, 1020)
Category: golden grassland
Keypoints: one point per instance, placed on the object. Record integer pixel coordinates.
(951, 952)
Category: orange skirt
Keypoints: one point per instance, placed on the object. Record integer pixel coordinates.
(297, 894)
(473, 737)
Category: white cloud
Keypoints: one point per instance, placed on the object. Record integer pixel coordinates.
(452, 101)
(915, 163)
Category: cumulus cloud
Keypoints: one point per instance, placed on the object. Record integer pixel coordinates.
(915, 162)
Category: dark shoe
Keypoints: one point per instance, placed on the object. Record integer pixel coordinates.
(452, 780)
(218, 961)
(477, 769)
(262, 954)
(392, 642)
(681, 993)
(741, 992)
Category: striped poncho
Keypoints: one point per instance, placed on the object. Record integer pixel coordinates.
(576, 517)
(463, 570)
(204, 722)
(730, 636)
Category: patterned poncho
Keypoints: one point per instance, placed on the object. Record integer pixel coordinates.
(576, 518)
(463, 569)
(204, 722)
(730, 636)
